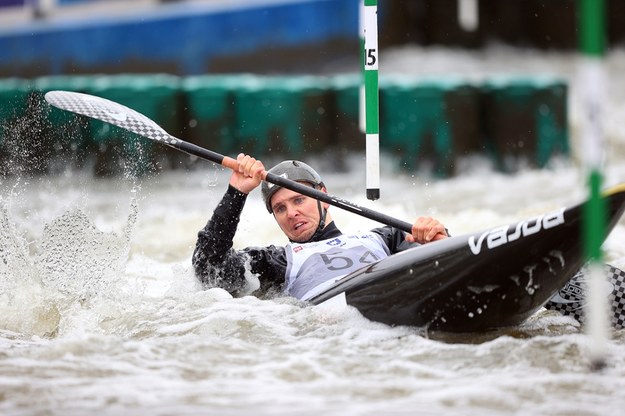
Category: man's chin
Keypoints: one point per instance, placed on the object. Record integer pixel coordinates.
(304, 237)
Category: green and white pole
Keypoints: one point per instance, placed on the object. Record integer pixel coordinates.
(593, 94)
(372, 124)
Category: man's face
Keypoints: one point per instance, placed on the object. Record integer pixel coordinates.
(296, 214)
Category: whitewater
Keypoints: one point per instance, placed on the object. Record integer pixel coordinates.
(100, 312)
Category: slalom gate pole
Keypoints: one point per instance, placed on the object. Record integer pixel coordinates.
(592, 82)
(371, 83)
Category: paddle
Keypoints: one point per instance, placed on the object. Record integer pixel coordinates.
(114, 113)
(571, 299)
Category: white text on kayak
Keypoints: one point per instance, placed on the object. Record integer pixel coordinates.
(505, 234)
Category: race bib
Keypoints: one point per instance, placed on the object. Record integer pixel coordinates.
(313, 264)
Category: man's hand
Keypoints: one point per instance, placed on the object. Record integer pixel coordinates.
(426, 229)
(248, 174)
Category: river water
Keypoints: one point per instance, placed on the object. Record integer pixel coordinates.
(100, 312)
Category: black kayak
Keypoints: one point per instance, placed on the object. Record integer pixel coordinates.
(491, 279)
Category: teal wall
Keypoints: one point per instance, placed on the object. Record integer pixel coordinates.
(515, 121)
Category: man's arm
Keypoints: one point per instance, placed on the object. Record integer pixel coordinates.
(216, 263)
(394, 238)
(214, 260)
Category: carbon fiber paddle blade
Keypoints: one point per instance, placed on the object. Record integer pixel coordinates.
(110, 112)
(571, 299)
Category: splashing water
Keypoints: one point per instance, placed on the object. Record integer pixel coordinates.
(78, 259)
(111, 322)
(19, 286)
(75, 264)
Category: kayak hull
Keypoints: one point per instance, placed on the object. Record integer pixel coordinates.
(482, 281)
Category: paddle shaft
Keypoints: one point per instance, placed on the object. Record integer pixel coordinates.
(128, 119)
(231, 163)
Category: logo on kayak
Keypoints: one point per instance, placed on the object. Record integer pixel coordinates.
(502, 235)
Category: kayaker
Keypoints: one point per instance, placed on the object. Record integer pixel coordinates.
(317, 250)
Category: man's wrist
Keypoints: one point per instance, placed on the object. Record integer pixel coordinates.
(235, 192)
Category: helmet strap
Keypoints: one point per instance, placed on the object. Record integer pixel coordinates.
(322, 223)
(322, 216)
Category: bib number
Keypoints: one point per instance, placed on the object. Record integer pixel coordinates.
(336, 261)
